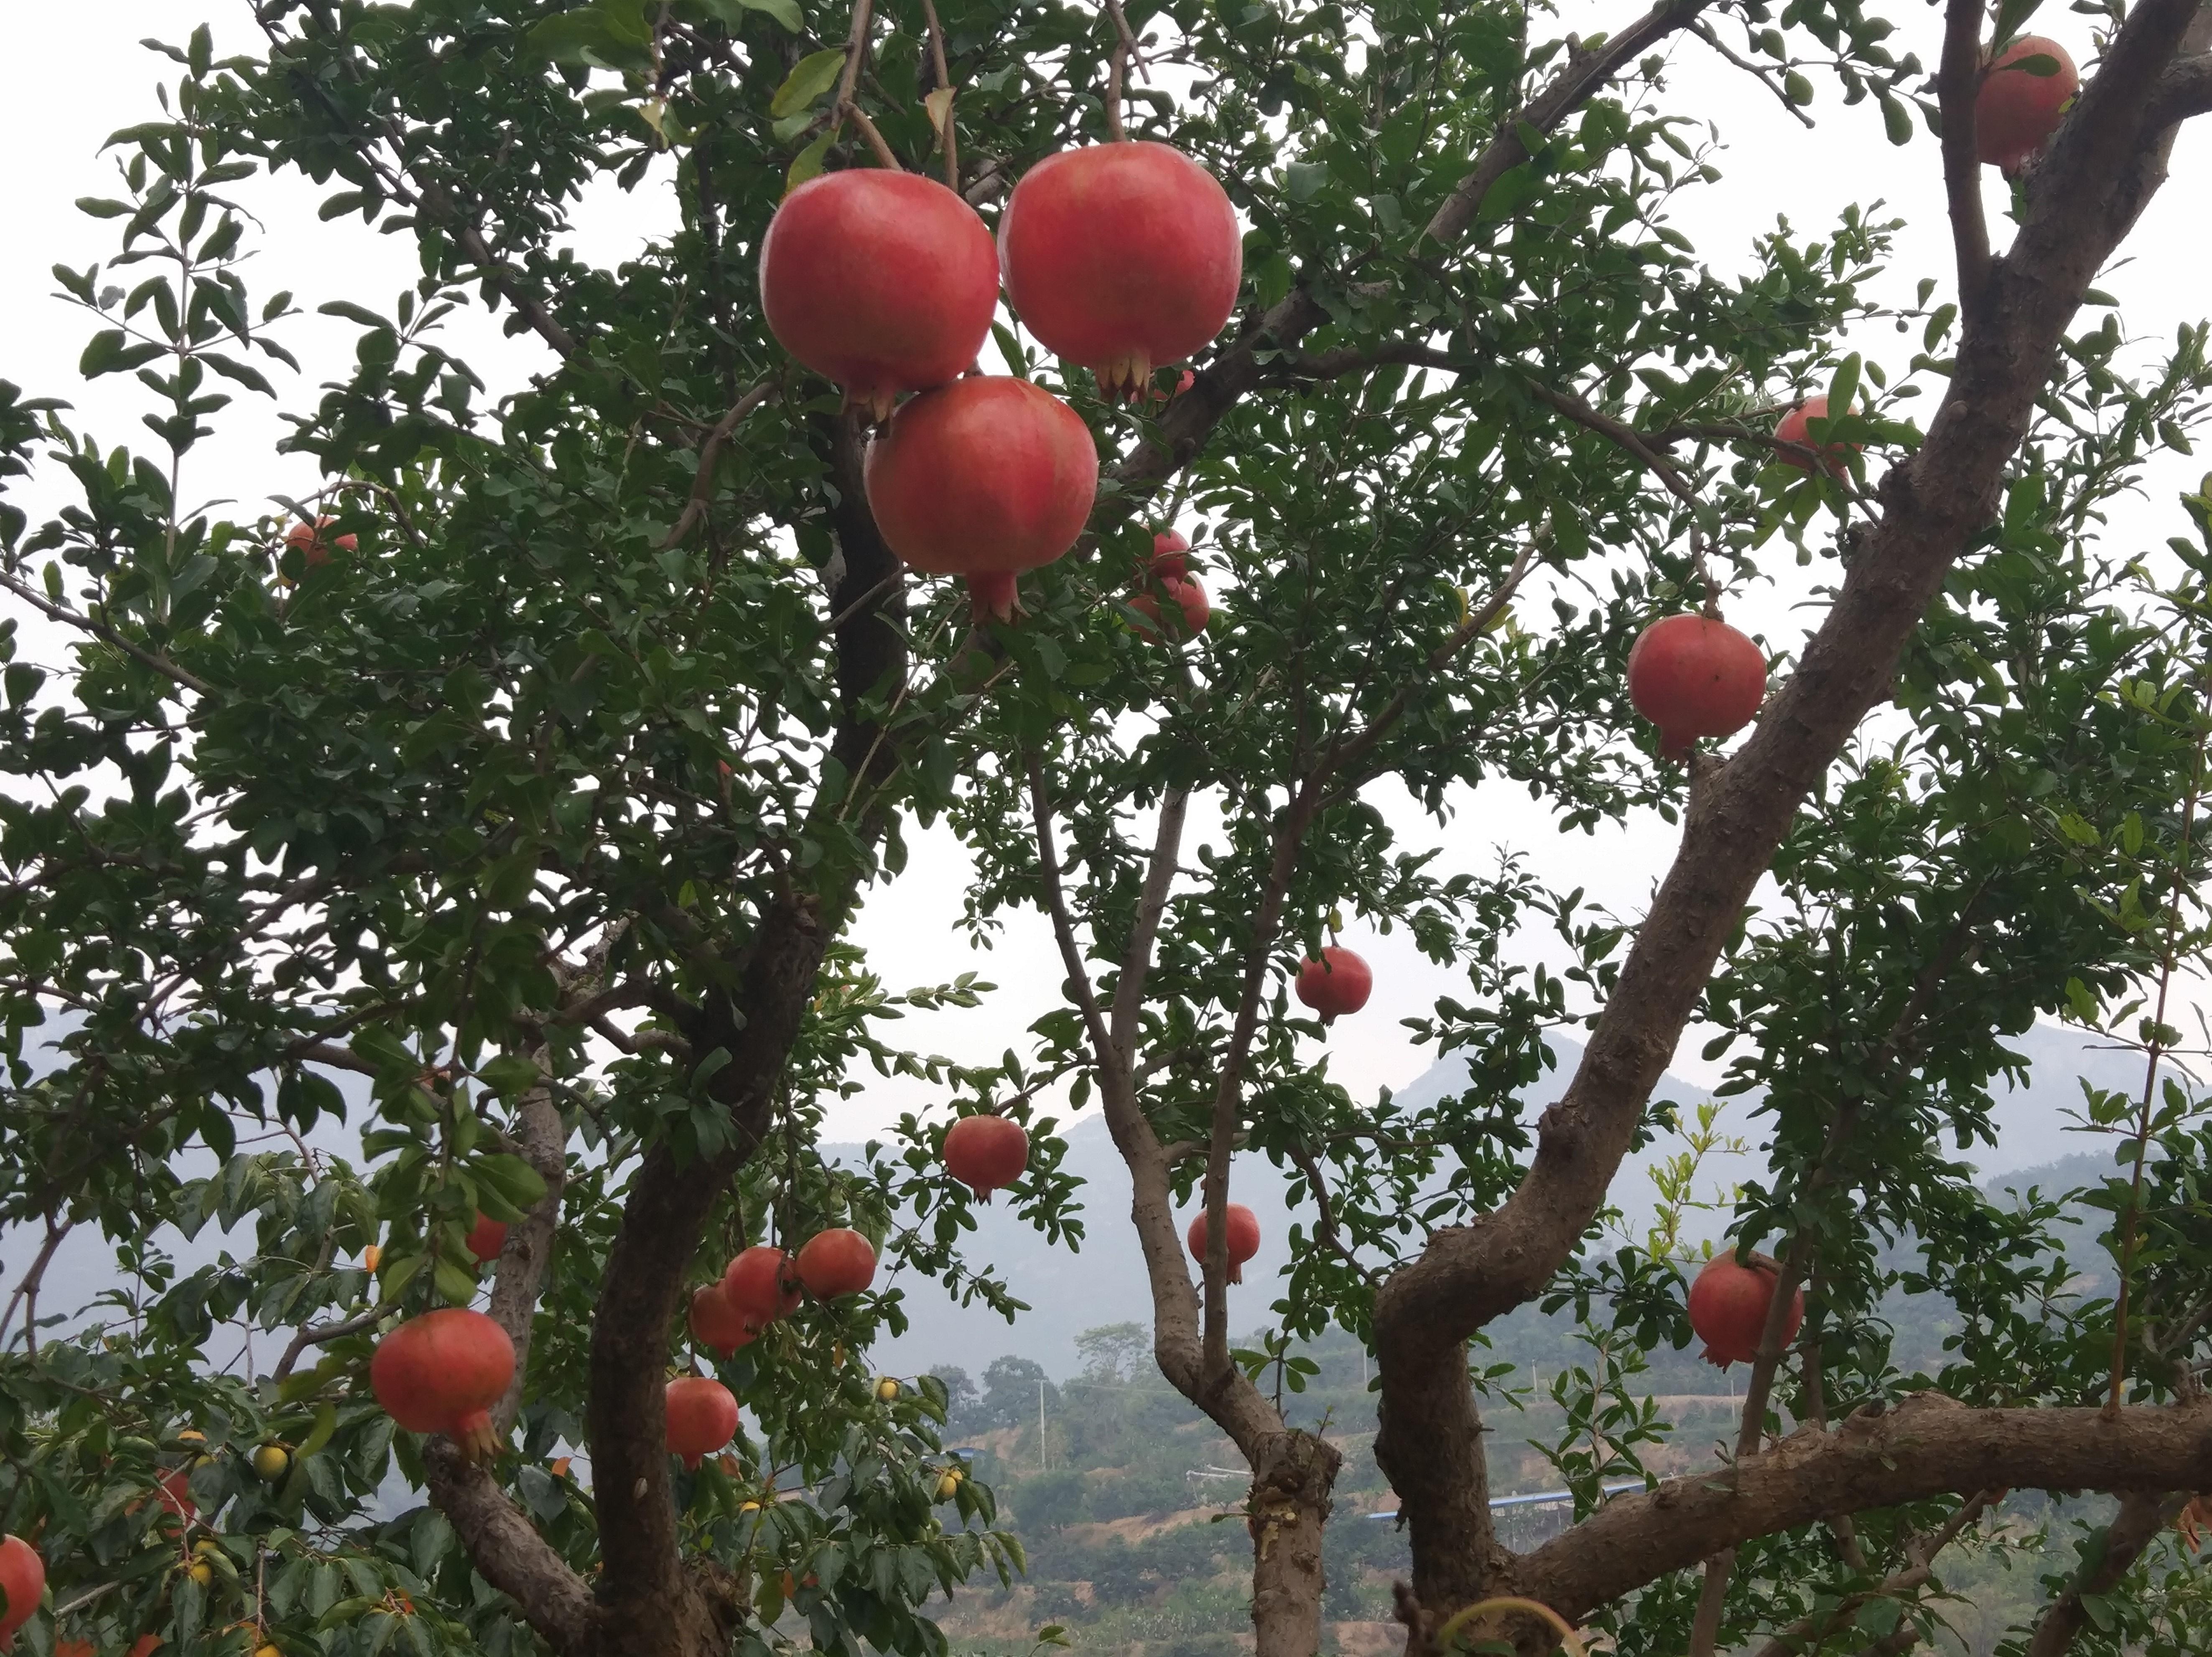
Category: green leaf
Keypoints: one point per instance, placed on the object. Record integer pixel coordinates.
(807, 164)
(810, 78)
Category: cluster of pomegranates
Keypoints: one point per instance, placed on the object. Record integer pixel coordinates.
(1729, 1304)
(2025, 92)
(1119, 256)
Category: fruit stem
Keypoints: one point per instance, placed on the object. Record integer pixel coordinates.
(1117, 67)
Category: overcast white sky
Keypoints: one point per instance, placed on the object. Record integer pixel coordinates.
(75, 73)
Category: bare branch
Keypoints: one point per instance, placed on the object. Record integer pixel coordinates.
(1063, 923)
(1808, 1632)
(702, 487)
(2185, 89)
(2142, 1515)
(1928, 1445)
(1959, 77)
(1151, 904)
(1758, 72)
(1626, 436)
(317, 1334)
(508, 1552)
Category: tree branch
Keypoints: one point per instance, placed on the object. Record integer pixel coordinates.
(702, 487)
(2184, 90)
(61, 613)
(2142, 1515)
(1151, 904)
(508, 1552)
(1959, 78)
(1808, 1632)
(1928, 1445)
(1063, 923)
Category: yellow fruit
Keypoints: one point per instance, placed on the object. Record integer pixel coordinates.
(748, 1507)
(948, 1487)
(192, 1436)
(270, 1460)
(887, 1389)
(267, 1651)
(201, 1572)
(205, 1546)
(370, 1256)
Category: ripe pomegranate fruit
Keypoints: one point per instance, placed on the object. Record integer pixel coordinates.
(1187, 596)
(487, 1238)
(441, 1373)
(145, 1645)
(1694, 677)
(2016, 110)
(985, 1153)
(702, 1417)
(175, 1492)
(1163, 394)
(993, 596)
(1796, 427)
(838, 1261)
(716, 1323)
(759, 1284)
(1336, 983)
(1244, 1238)
(882, 282)
(314, 552)
(23, 1575)
(1728, 1303)
(1121, 256)
(1170, 554)
(986, 475)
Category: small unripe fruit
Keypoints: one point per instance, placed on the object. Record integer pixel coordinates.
(270, 1460)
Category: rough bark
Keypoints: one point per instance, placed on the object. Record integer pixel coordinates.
(1928, 1445)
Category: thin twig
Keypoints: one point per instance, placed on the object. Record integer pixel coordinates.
(100, 630)
(945, 134)
(702, 486)
(856, 49)
(1117, 69)
(868, 130)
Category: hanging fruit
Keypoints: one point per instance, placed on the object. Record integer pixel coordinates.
(1334, 983)
(717, 1324)
(1729, 1305)
(702, 1417)
(1121, 256)
(1192, 611)
(1244, 1238)
(838, 1261)
(985, 1153)
(2023, 98)
(880, 281)
(23, 1575)
(1170, 555)
(441, 1373)
(487, 1238)
(1796, 427)
(1693, 677)
(988, 474)
(759, 1284)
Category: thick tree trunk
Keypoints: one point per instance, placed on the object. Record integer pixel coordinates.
(1429, 1446)
(1292, 1474)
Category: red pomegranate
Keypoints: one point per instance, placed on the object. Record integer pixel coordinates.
(838, 1261)
(441, 1373)
(1694, 677)
(1244, 1238)
(2017, 110)
(993, 596)
(716, 1323)
(1729, 1304)
(1163, 394)
(175, 1492)
(1187, 596)
(990, 473)
(1121, 256)
(1796, 427)
(882, 282)
(1335, 984)
(314, 552)
(23, 1575)
(985, 1153)
(487, 1238)
(1170, 554)
(702, 1417)
(759, 1284)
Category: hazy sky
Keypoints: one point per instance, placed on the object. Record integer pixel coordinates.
(76, 73)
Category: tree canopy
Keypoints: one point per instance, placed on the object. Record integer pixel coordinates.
(529, 775)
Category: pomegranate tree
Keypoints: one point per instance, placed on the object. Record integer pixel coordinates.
(985, 1153)
(23, 1575)
(2023, 94)
(1729, 1305)
(1121, 256)
(1244, 1238)
(878, 281)
(441, 1373)
(702, 1417)
(1334, 983)
(988, 475)
(760, 1285)
(716, 1323)
(838, 1261)
(1695, 675)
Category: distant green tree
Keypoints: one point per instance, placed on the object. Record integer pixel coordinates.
(1114, 1352)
